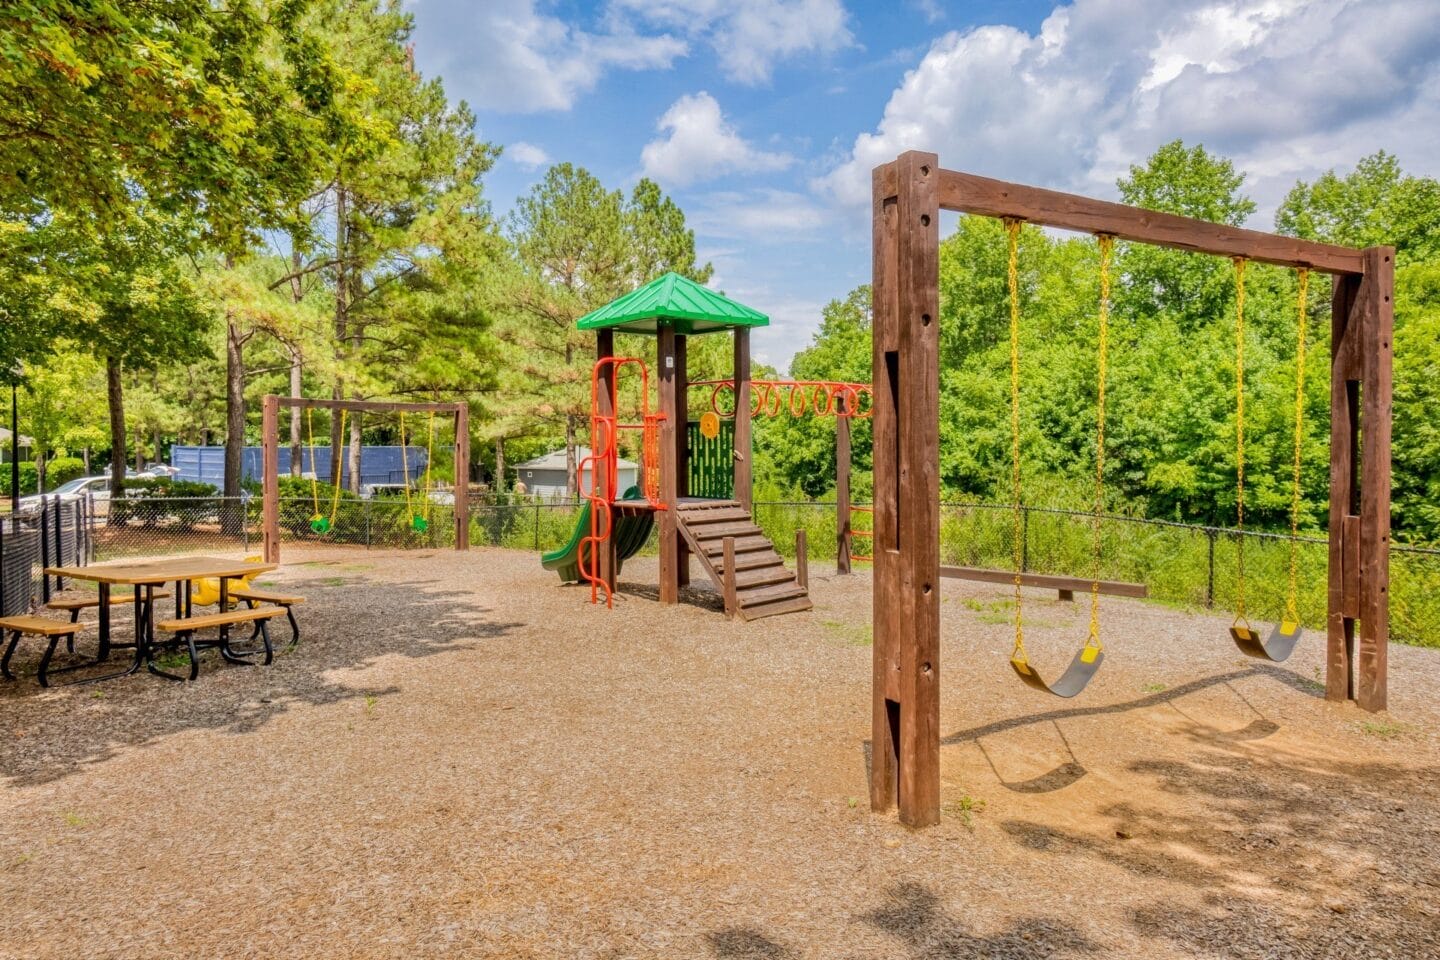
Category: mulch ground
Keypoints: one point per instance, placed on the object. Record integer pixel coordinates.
(464, 759)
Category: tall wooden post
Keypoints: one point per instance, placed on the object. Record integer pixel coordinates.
(669, 468)
(905, 755)
(462, 476)
(605, 348)
(842, 485)
(1362, 321)
(270, 477)
(743, 476)
(682, 452)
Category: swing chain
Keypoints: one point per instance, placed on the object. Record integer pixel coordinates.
(1107, 246)
(1240, 263)
(1012, 232)
(1292, 614)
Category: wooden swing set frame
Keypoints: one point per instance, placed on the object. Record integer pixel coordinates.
(908, 195)
(270, 457)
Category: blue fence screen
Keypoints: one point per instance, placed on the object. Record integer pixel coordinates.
(377, 464)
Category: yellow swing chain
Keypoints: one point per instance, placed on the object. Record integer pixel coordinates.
(1107, 246)
(1292, 614)
(1240, 442)
(1012, 231)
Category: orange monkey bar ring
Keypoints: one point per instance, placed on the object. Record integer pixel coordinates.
(770, 398)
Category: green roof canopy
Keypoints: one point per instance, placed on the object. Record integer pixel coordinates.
(675, 301)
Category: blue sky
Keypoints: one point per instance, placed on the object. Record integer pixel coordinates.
(763, 118)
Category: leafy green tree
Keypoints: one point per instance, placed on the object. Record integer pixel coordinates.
(578, 246)
(1376, 204)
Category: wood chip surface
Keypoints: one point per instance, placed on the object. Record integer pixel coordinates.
(463, 758)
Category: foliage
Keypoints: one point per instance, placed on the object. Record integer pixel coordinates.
(28, 478)
(62, 470)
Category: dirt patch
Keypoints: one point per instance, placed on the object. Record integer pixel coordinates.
(462, 758)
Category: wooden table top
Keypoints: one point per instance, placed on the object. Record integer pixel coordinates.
(162, 571)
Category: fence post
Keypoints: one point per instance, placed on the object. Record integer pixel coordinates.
(368, 504)
(537, 525)
(59, 541)
(1025, 540)
(1210, 578)
(44, 552)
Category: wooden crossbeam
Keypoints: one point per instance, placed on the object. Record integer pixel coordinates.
(1047, 581)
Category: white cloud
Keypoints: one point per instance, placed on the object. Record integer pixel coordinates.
(749, 36)
(1285, 88)
(512, 58)
(760, 215)
(699, 145)
(527, 155)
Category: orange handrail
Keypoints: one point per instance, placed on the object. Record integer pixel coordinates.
(796, 397)
(867, 557)
(605, 455)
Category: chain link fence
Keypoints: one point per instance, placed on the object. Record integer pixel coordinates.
(1184, 565)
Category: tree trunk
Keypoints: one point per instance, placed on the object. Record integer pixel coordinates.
(234, 408)
(499, 466)
(85, 456)
(342, 308)
(296, 456)
(354, 485)
(115, 395)
(297, 369)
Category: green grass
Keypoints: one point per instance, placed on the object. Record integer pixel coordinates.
(964, 809)
(1382, 729)
(1154, 688)
(172, 660)
(853, 635)
(72, 819)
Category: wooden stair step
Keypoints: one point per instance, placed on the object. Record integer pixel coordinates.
(792, 605)
(719, 531)
(762, 576)
(752, 596)
(751, 561)
(716, 548)
(699, 518)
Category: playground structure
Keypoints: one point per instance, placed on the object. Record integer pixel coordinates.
(711, 522)
(908, 195)
(270, 463)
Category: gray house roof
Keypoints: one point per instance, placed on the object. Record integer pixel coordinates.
(555, 460)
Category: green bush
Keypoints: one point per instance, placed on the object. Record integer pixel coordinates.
(63, 470)
(28, 478)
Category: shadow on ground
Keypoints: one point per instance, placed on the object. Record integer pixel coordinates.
(346, 625)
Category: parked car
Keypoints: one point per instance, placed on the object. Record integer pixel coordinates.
(98, 488)
(162, 470)
(379, 491)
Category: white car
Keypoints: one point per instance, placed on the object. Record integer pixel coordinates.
(98, 488)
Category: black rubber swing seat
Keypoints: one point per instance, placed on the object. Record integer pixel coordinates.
(1276, 648)
(1076, 677)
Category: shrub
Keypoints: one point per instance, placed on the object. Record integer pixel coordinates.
(63, 470)
(27, 478)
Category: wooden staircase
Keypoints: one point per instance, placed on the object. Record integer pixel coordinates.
(763, 585)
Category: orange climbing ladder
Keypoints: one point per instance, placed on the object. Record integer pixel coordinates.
(603, 465)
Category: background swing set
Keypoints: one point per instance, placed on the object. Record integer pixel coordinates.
(417, 516)
(908, 195)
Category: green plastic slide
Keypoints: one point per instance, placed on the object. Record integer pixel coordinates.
(631, 530)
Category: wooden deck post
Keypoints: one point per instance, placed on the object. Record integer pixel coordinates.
(905, 754)
(270, 478)
(802, 559)
(682, 455)
(728, 553)
(604, 348)
(842, 485)
(669, 408)
(743, 447)
(461, 505)
(1361, 322)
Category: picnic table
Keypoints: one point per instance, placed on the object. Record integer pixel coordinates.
(144, 577)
